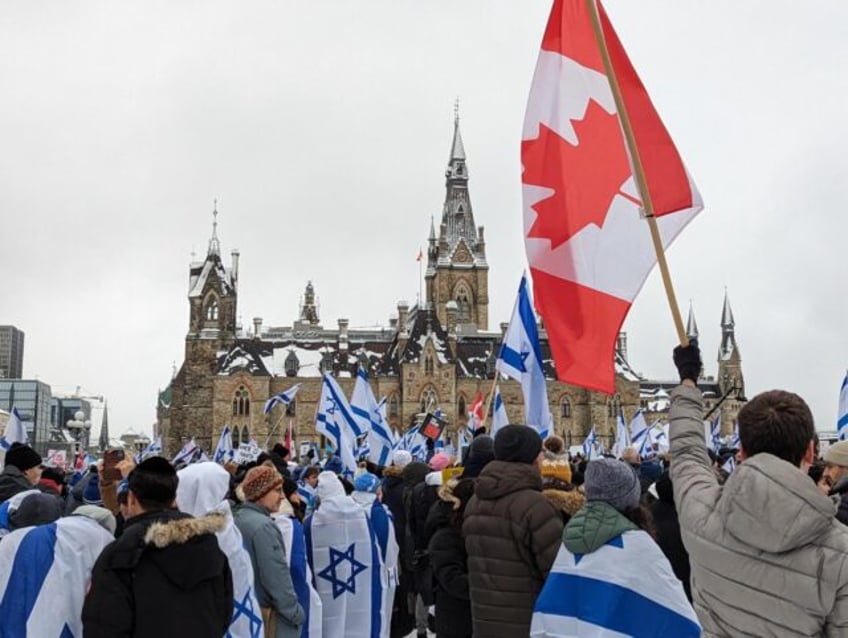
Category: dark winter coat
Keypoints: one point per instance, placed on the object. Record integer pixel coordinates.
(165, 577)
(13, 481)
(512, 535)
(403, 618)
(449, 564)
(668, 538)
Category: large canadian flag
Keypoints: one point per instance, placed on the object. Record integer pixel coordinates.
(589, 247)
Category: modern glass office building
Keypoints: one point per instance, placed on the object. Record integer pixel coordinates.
(11, 352)
(32, 398)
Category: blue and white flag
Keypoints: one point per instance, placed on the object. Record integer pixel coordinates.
(414, 442)
(45, 572)
(625, 588)
(646, 447)
(153, 448)
(187, 453)
(621, 441)
(715, 432)
(842, 414)
(638, 429)
(589, 444)
(344, 554)
(294, 544)
(224, 450)
(202, 490)
(499, 417)
(521, 359)
(15, 431)
(659, 437)
(283, 398)
(335, 421)
(371, 417)
(729, 464)
(734, 441)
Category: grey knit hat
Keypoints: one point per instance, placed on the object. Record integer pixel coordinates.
(613, 482)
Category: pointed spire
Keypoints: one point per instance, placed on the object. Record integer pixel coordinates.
(727, 322)
(103, 441)
(214, 244)
(691, 324)
(457, 149)
(432, 237)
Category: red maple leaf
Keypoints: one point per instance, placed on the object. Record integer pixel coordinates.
(584, 177)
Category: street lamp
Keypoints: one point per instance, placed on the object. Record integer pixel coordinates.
(79, 428)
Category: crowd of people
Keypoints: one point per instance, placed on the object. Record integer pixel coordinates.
(513, 539)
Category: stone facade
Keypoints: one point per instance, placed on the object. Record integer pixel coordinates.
(436, 353)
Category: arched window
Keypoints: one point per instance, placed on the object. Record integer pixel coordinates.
(394, 405)
(428, 365)
(463, 303)
(241, 402)
(212, 309)
(236, 434)
(291, 408)
(429, 400)
(613, 406)
(565, 408)
(245, 435)
(291, 364)
(326, 361)
(461, 408)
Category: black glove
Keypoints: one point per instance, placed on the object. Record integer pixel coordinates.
(687, 359)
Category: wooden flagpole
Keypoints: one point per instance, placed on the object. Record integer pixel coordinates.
(638, 170)
(489, 398)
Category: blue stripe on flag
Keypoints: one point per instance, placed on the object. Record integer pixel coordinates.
(340, 401)
(32, 562)
(376, 584)
(612, 607)
(298, 569)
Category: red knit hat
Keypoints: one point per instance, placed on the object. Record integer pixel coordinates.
(259, 481)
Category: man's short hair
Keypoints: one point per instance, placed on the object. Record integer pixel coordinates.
(154, 483)
(312, 470)
(779, 423)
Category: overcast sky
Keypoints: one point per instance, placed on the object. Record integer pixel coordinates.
(323, 129)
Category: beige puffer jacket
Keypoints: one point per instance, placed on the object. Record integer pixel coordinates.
(768, 558)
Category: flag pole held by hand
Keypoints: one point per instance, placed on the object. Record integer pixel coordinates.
(638, 172)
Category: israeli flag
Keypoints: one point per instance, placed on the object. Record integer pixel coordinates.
(499, 417)
(45, 572)
(520, 358)
(625, 588)
(335, 421)
(15, 431)
(659, 435)
(383, 526)
(734, 441)
(153, 448)
(202, 490)
(187, 454)
(589, 444)
(715, 432)
(621, 441)
(283, 398)
(371, 417)
(729, 464)
(842, 414)
(414, 442)
(294, 545)
(638, 429)
(224, 450)
(646, 447)
(344, 554)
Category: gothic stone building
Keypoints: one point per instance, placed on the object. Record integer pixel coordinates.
(440, 351)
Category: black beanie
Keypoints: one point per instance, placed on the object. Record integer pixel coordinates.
(22, 457)
(163, 490)
(517, 444)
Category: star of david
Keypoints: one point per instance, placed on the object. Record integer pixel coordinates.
(331, 408)
(514, 358)
(245, 608)
(330, 572)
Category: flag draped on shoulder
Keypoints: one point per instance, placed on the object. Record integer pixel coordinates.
(294, 542)
(520, 358)
(624, 588)
(283, 398)
(336, 422)
(588, 247)
(842, 414)
(15, 431)
(45, 572)
(344, 555)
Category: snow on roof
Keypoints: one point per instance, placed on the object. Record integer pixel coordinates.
(212, 264)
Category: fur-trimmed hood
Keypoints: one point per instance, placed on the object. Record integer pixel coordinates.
(180, 531)
(568, 502)
(392, 471)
